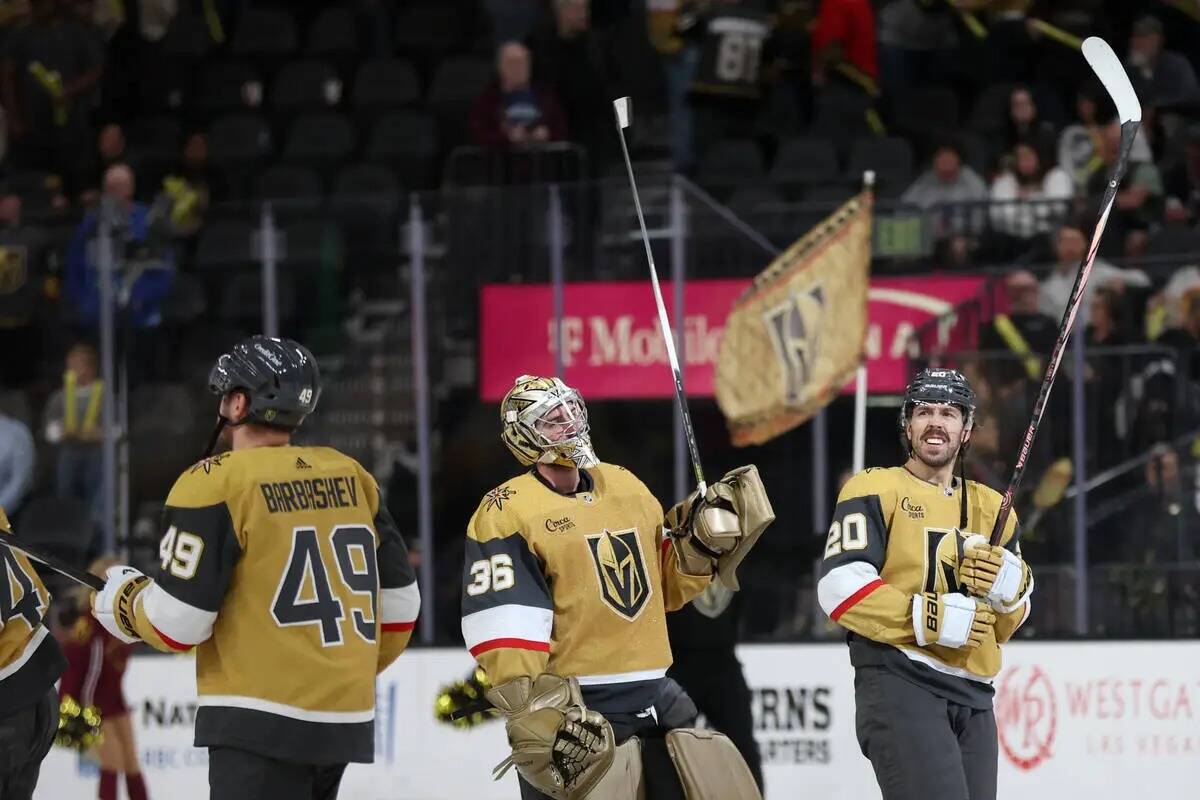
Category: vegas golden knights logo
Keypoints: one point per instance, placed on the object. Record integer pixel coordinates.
(943, 554)
(621, 571)
(793, 326)
(13, 272)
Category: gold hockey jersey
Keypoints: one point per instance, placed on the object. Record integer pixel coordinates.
(577, 585)
(30, 658)
(893, 536)
(284, 570)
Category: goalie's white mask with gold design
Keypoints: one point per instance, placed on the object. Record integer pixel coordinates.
(545, 422)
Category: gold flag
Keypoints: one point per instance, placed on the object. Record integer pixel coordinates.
(795, 337)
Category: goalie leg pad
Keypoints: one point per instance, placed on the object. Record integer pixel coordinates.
(623, 781)
(709, 766)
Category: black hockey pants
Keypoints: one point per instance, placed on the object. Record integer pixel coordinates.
(25, 738)
(235, 774)
(923, 747)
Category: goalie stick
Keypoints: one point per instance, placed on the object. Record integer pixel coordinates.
(55, 563)
(1108, 69)
(622, 109)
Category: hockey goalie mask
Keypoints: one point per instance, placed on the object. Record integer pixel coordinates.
(545, 422)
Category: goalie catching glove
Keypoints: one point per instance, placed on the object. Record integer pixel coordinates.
(715, 533)
(951, 620)
(994, 573)
(560, 747)
(112, 606)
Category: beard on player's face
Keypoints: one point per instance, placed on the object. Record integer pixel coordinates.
(935, 438)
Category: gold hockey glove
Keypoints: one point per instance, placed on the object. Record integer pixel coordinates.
(995, 574)
(951, 620)
(560, 747)
(722, 528)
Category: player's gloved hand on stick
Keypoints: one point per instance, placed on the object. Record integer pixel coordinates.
(714, 533)
(113, 605)
(560, 747)
(994, 573)
(951, 620)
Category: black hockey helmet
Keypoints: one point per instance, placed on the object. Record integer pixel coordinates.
(940, 386)
(279, 376)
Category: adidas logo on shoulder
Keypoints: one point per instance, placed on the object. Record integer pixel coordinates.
(302, 464)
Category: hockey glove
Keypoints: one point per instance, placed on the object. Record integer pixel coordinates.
(560, 747)
(995, 574)
(718, 531)
(113, 605)
(951, 620)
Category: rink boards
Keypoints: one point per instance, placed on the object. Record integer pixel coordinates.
(1094, 719)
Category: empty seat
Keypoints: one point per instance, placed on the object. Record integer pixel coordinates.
(225, 244)
(989, 115)
(890, 158)
(308, 244)
(187, 37)
(229, 86)
(291, 189)
(805, 161)
(749, 200)
(369, 186)
(925, 109)
(386, 83)
(262, 33)
(430, 28)
(172, 405)
(155, 137)
(322, 138)
(455, 85)
(731, 161)
(243, 298)
(61, 524)
(238, 139)
(1181, 242)
(408, 141)
(185, 301)
(306, 85)
(333, 34)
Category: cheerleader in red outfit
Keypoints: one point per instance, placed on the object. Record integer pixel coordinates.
(95, 668)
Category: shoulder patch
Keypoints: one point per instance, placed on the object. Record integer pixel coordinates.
(496, 498)
(208, 464)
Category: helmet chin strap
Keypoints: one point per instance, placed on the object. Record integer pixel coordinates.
(222, 423)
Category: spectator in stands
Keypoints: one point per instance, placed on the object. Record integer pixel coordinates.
(24, 251)
(1080, 142)
(1027, 197)
(1161, 77)
(947, 182)
(1139, 201)
(1181, 184)
(1108, 373)
(140, 259)
(917, 44)
(110, 149)
(16, 463)
(1024, 331)
(513, 110)
(845, 70)
(1070, 245)
(569, 56)
(1185, 338)
(73, 422)
(1026, 127)
(51, 67)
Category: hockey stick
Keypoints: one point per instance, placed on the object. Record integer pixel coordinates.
(621, 106)
(1108, 69)
(53, 562)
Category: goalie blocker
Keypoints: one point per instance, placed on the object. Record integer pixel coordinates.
(570, 568)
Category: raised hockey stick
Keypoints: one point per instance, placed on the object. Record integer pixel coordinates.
(53, 562)
(1108, 69)
(621, 106)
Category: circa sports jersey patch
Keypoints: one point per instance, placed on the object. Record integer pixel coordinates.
(210, 463)
(496, 497)
(620, 570)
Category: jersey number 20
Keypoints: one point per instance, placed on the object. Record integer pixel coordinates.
(305, 596)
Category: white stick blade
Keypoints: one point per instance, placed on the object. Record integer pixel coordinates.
(621, 106)
(1108, 69)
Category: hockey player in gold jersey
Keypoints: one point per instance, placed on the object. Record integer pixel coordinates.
(570, 568)
(283, 569)
(30, 664)
(927, 602)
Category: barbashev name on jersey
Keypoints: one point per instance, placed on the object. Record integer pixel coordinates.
(285, 497)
